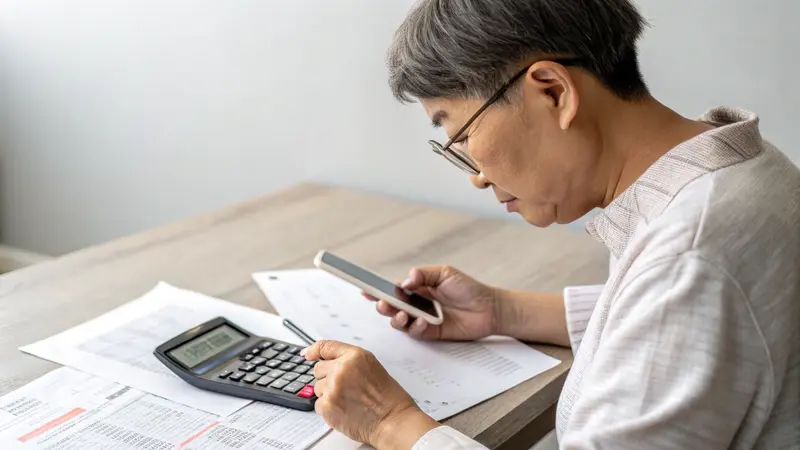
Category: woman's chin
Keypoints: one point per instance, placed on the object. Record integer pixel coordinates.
(540, 217)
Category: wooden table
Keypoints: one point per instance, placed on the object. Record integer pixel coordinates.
(216, 253)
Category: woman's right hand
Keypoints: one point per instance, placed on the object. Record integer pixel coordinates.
(469, 306)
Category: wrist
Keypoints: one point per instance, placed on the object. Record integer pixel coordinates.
(505, 312)
(531, 316)
(401, 430)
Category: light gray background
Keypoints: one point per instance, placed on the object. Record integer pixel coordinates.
(117, 116)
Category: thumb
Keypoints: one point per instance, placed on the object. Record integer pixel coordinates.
(325, 350)
(425, 276)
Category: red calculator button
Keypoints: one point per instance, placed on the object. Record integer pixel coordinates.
(306, 392)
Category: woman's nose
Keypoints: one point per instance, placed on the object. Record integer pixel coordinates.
(479, 181)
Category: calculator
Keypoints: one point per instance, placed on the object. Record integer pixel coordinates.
(222, 357)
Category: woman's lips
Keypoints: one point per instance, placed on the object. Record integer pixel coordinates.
(511, 205)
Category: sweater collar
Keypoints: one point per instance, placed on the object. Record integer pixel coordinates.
(736, 138)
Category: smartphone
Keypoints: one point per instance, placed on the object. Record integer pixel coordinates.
(414, 304)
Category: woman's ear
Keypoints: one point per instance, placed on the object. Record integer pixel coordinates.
(554, 81)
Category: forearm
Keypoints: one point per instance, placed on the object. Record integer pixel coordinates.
(532, 316)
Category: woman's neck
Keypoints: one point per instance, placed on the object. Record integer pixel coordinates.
(637, 134)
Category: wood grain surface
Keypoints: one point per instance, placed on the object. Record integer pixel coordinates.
(216, 254)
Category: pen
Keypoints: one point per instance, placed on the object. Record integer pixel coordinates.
(300, 333)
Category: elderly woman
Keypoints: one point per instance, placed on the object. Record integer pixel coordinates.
(694, 341)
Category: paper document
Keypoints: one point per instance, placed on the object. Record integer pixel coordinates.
(67, 409)
(444, 378)
(119, 344)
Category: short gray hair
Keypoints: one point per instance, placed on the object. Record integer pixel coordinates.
(468, 48)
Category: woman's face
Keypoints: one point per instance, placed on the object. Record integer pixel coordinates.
(536, 152)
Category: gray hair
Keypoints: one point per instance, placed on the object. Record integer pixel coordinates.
(468, 48)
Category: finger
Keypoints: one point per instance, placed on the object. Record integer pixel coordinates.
(323, 368)
(321, 407)
(400, 320)
(421, 329)
(369, 297)
(386, 309)
(320, 387)
(325, 349)
(424, 276)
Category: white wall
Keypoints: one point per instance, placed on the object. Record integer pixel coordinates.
(121, 115)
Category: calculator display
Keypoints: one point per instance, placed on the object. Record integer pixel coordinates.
(206, 346)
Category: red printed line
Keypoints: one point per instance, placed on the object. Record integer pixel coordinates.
(197, 435)
(52, 424)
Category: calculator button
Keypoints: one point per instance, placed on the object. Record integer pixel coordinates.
(284, 356)
(251, 378)
(237, 376)
(276, 373)
(255, 351)
(287, 366)
(262, 370)
(224, 374)
(280, 347)
(291, 376)
(306, 392)
(293, 349)
(278, 384)
(305, 379)
(297, 360)
(247, 367)
(269, 354)
(265, 344)
(301, 369)
(310, 363)
(257, 361)
(273, 364)
(246, 357)
(293, 387)
(265, 381)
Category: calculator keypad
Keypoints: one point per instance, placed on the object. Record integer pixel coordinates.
(291, 376)
(251, 378)
(271, 366)
(284, 357)
(294, 387)
(237, 376)
(269, 354)
(279, 384)
(265, 381)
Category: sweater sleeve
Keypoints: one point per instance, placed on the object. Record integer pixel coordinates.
(446, 438)
(579, 302)
(680, 366)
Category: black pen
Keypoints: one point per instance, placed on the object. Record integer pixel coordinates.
(300, 333)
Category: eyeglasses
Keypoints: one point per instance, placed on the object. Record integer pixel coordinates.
(458, 157)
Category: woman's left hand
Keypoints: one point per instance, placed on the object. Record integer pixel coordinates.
(357, 397)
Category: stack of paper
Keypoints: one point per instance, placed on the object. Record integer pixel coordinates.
(67, 409)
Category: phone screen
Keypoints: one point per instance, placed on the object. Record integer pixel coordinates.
(383, 285)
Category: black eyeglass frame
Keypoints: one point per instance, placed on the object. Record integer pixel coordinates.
(461, 159)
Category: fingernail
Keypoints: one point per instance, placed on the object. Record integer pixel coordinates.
(303, 351)
(405, 282)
